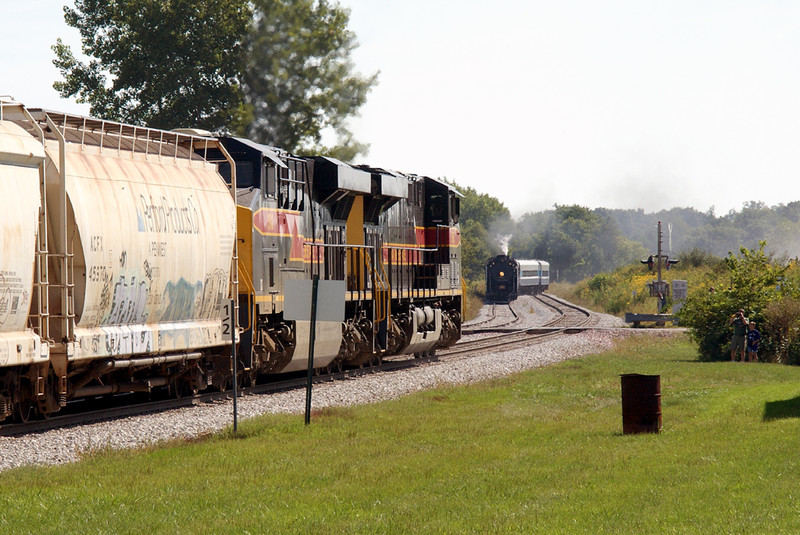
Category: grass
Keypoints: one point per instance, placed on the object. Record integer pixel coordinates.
(539, 452)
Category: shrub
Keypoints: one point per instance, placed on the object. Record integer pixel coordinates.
(751, 282)
(698, 258)
(780, 334)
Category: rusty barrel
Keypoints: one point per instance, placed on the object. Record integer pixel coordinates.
(641, 403)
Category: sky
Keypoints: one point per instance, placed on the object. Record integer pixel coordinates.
(615, 104)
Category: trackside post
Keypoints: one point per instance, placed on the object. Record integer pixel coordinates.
(311, 340)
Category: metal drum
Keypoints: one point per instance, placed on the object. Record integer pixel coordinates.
(641, 403)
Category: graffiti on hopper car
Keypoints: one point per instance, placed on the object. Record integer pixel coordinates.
(129, 303)
(167, 215)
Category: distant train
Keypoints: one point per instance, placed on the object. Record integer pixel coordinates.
(507, 278)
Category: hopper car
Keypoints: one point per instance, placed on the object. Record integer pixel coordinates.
(127, 253)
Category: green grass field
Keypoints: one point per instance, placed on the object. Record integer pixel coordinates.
(540, 452)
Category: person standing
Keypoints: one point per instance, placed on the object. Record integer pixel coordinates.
(739, 323)
(753, 336)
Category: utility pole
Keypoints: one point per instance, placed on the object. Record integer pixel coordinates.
(659, 257)
(661, 286)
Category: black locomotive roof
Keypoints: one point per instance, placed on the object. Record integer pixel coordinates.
(331, 174)
(271, 153)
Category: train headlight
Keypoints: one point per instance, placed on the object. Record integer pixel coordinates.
(502, 274)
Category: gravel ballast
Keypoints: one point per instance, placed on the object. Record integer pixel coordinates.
(67, 445)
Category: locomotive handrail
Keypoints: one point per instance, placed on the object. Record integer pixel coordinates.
(251, 291)
(422, 249)
(380, 312)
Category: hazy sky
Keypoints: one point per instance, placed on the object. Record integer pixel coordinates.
(621, 104)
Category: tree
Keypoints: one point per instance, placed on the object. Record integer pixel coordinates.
(298, 77)
(164, 63)
(476, 249)
(577, 241)
(485, 209)
(484, 220)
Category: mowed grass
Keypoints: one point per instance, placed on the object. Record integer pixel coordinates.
(540, 452)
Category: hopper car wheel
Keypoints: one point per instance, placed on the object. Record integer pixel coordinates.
(23, 411)
(180, 388)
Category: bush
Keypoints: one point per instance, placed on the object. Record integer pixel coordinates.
(698, 258)
(779, 333)
(751, 282)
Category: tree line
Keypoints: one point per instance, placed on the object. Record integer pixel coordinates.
(580, 242)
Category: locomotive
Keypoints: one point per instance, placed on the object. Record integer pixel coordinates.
(126, 250)
(507, 278)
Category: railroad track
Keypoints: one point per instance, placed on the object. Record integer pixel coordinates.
(498, 337)
(569, 320)
(569, 315)
(497, 313)
(74, 415)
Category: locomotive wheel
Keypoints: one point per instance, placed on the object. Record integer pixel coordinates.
(250, 378)
(335, 367)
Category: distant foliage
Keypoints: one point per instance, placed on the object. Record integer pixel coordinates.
(778, 225)
(578, 242)
(484, 222)
(698, 258)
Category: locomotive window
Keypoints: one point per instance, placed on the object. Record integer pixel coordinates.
(294, 186)
(244, 174)
(269, 176)
(435, 209)
(271, 272)
(283, 189)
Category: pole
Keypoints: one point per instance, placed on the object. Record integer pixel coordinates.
(235, 368)
(311, 339)
(659, 256)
